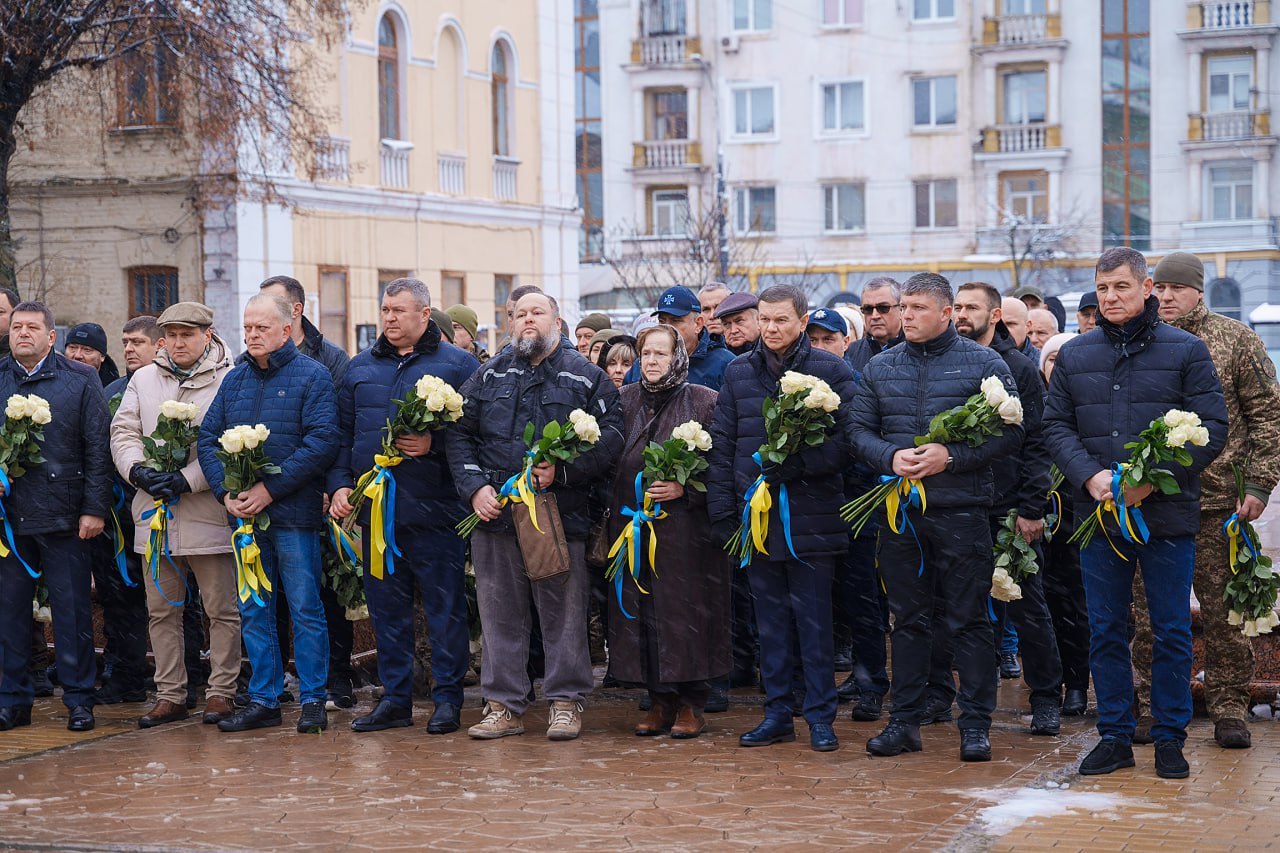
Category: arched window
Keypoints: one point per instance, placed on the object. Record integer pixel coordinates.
(501, 90)
(1224, 297)
(388, 80)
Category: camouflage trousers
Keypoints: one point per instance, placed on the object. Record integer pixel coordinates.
(1228, 656)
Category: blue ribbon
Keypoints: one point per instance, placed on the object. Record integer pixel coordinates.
(342, 543)
(508, 489)
(154, 566)
(904, 520)
(639, 518)
(389, 520)
(8, 528)
(1128, 517)
(117, 531)
(240, 541)
(784, 515)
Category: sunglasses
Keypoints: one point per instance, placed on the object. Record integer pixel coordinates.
(883, 308)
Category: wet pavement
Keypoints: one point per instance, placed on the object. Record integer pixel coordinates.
(187, 786)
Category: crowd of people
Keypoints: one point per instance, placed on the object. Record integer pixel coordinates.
(816, 601)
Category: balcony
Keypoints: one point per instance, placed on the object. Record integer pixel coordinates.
(1230, 24)
(1020, 138)
(504, 178)
(666, 49)
(1219, 127)
(1230, 234)
(333, 158)
(1231, 14)
(667, 154)
(394, 162)
(1020, 30)
(1012, 239)
(451, 173)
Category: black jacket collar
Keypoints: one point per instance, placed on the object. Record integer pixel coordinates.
(426, 345)
(1135, 334)
(1002, 342)
(937, 346)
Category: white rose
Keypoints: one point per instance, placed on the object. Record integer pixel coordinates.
(993, 391)
(1177, 417)
(169, 409)
(43, 615)
(830, 401)
(434, 401)
(453, 402)
(232, 441)
(1199, 436)
(262, 432)
(1179, 435)
(16, 407)
(1010, 410)
(703, 440)
(587, 429)
(793, 382)
(1250, 628)
(42, 416)
(1234, 618)
(30, 406)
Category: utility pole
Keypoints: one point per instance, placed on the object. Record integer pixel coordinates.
(722, 198)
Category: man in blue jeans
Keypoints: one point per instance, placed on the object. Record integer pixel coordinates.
(274, 384)
(1108, 386)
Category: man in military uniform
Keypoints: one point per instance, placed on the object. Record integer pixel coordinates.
(1253, 415)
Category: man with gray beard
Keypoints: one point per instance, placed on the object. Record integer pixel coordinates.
(535, 380)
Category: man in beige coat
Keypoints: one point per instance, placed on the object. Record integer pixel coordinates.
(190, 369)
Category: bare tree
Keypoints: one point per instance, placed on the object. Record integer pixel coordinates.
(1034, 246)
(239, 72)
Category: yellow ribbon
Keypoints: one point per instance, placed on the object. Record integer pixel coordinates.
(376, 492)
(158, 526)
(761, 503)
(627, 537)
(1111, 507)
(524, 494)
(900, 492)
(250, 574)
(1233, 538)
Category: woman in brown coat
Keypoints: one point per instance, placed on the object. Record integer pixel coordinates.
(679, 636)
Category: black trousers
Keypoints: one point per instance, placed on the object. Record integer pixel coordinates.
(124, 610)
(1064, 593)
(945, 555)
(64, 559)
(857, 596)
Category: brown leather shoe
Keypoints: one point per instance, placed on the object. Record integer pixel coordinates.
(1232, 734)
(217, 709)
(162, 712)
(689, 723)
(662, 713)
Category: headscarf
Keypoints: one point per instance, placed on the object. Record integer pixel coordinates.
(678, 371)
(1052, 345)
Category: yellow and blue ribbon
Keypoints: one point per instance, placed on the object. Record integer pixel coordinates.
(520, 489)
(758, 502)
(9, 545)
(117, 531)
(627, 547)
(381, 493)
(1238, 539)
(158, 543)
(1133, 527)
(1055, 509)
(906, 493)
(251, 576)
(342, 542)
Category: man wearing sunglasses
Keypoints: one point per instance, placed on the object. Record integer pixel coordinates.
(882, 314)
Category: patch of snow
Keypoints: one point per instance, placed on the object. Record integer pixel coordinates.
(1016, 807)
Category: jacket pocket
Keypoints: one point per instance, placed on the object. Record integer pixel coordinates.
(65, 485)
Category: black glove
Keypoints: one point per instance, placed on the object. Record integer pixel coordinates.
(723, 530)
(146, 479)
(786, 471)
(169, 486)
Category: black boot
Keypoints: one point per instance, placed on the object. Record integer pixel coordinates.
(1045, 719)
(255, 716)
(314, 719)
(974, 745)
(1075, 703)
(896, 739)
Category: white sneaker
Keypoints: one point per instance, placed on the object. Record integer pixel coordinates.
(564, 721)
(498, 722)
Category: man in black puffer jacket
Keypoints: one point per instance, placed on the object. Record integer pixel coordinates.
(1108, 386)
(56, 508)
(792, 593)
(945, 550)
(427, 508)
(538, 379)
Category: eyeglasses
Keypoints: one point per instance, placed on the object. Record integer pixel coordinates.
(883, 308)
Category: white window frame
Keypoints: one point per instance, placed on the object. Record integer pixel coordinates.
(1007, 101)
(842, 23)
(734, 135)
(1006, 11)
(1234, 67)
(820, 112)
(678, 206)
(933, 11)
(933, 204)
(742, 204)
(933, 102)
(1026, 197)
(831, 200)
(753, 25)
(1233, 187)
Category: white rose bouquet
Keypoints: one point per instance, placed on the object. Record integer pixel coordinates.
(165, 450)
(980, 417)
(244, 462)
(20, 438)
(1015, 558)
(1251, 589)
(798, 417)
(561, 443)
(1165, 440)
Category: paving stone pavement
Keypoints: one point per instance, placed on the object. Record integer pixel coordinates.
(187, 786)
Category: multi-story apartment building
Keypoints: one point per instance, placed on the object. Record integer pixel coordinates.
(448, 159)
(1003, 140)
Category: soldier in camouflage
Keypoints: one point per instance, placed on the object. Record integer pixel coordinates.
(1253, 412)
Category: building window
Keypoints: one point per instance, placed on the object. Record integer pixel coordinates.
(1230, 192)
(843, 107)
(588, 129)
(755, 210)
(1126, 124)
(500, 88)
(385, 277)
(752, 15)
(841, 13)
(753, 111)
(453, 289)
(1224, 297)
(933, 10)
(1022, 7)
(668, 114)
(845, 207)
(1230, 81)
(147, 88)
(668, 212)
(333, 305)
(1025, 197)
(388, 80)
(934, 100)
(152, 289)
(502, 287)
(936, 204)
(1025, 96)
(664, 17)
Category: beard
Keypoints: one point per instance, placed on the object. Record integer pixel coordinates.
(537, 347)
(974, 331)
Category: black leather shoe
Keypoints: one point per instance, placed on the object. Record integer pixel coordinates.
(1169, 761)
(1045, 719)
(113, 694)
(314, 718)
(1108, 756)
(1075, 703)
(14, 716)
(387, 715)
(936, 711)
(717, 701)
(848, 690)
(769, 732)
(81, 719)
(869, 708)
(897, 738)
(822, 738)
(255, 716)
(444, 719)
(974, 745)
(1009, 666)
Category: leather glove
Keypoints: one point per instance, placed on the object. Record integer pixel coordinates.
(144, 478)
(169, 486)
(786, 471)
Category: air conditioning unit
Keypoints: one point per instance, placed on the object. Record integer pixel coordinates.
(729, 44)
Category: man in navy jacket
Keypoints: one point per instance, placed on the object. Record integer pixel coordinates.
(276, 385)
(427, 508)
(1109, 385)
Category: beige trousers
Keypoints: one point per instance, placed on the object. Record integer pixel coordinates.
(216, 576)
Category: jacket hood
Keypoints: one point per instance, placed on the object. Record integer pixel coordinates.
(312, 338)
(427, 344)
(1002, 340)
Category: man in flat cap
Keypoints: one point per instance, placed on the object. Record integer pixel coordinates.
(1253, 434)
(739, 318)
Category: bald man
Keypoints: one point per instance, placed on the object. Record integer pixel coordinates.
(1014, 313)
(1041, 325)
